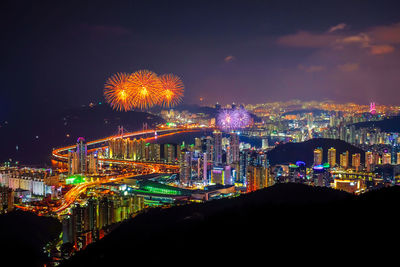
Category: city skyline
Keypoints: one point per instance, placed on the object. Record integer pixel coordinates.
(177, 131)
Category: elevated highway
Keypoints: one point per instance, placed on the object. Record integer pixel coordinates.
(61, 154)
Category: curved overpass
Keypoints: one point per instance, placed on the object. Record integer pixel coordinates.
(61, 153)
(148, 167)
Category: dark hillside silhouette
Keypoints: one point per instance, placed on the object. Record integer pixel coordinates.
(23, 236)
(278, 222)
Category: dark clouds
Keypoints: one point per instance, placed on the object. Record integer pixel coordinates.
(359, 66)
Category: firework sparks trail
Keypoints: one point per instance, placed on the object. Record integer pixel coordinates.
(145, 87)
(117, 93)
(172, 88)
(229, 119)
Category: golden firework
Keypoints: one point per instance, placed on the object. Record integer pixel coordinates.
(172, 90)
(117, 92)
(145, 87)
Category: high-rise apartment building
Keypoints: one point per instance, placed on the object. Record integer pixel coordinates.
(332, 156)
(387, 158)
(369, 160)
(318, 156)
(81, 150)
(344, 160)
(234, 148)
(217, 147)
(257, 177)
(356, 161)
(185, 167)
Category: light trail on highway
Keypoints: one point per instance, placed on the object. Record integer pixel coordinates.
(145, 167)
(60, 153)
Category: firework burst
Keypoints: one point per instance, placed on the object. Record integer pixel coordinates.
(225, 119)
(117, 92)
(229, 119)
(242, 117)
(172, 90)
(145, 87)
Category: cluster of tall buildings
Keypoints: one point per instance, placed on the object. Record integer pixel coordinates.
(372, 159)
(140, 150)
(125, 148)
(345, 171)
(79, 162)
(361, 136)
(218, 159)
(258, 177)
(88, 222)
(214, 159)
(376, 158)
(210, 160)
(344, 159)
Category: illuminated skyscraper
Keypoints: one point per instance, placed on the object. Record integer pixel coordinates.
(92, 164)
(207, 146)
(222, 175)
(356, 161)
(332, 156)
(344, 160)
(264, 143)
(205, 169)
(387, 158)
(257, 178)
(228, 175)
(318, 156)
(169, 152)
(185, 167)
(352, 134)
(179, 148)
(142, 150)
(147, 152)
(369, 160)
(73, 162)
(197, 143)
(119, 148)
(372, 108)
(131, 153)
(234, 146)
(81, 150)
(242, 167)
(228, 154)
(156, 152)
(217, 147)
(217, 175)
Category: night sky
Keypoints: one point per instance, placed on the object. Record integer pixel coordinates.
(57, 54)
